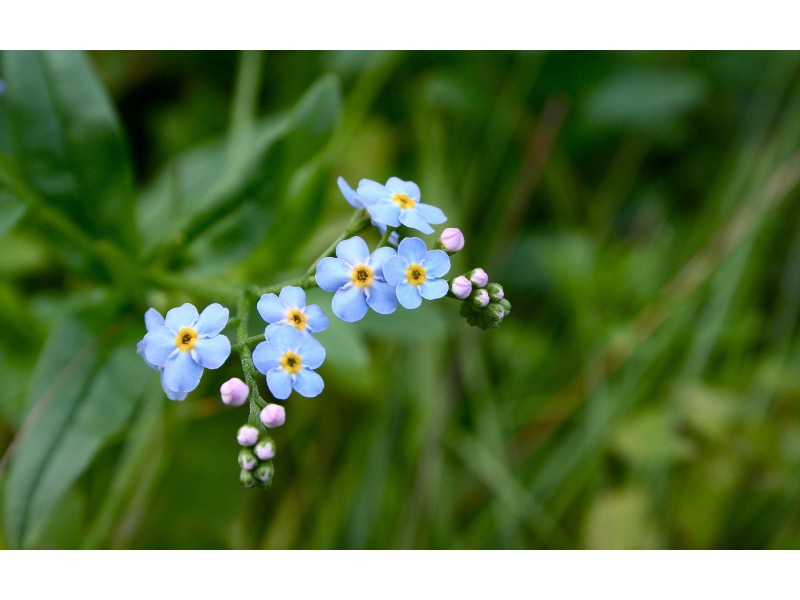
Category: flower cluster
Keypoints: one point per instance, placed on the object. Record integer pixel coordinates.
(401, 269)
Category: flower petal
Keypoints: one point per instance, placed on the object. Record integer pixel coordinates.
(409, 188)
(312, 352)
(411, 218)
(212, 352)
(171, 394)
(158, 345)
(382, 298)
(153, 319)
(212, 320)
(385, 212)
(379, 257)
(353, 251)
(413, 250)
(433, 289)
(408, 295)
(431, 214)
(140, 352)
(182, 373)
(394, 270)
(266, 356)
(308, 383)
(332, 273)
(286, 338)
(349, 304)
(370, 191)
(317, 320)
(279, 383)
(436, 263)
(271, 308)
(349, 193)
(182, 316)
(293, 296)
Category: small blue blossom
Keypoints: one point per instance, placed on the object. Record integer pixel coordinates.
(290, 310)
(398, 203)
(417, 272)
(288, 359)
(357, 278)
(186, 344)
(352, 197)
(153, 319)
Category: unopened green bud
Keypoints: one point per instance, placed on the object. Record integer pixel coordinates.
(247, 479)
(506, 305)
(479, 298)
(495, 291)
(495, 311)
(265, 471)
(247, 460)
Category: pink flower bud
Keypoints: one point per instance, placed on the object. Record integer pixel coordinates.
(234, 392)
(478, 277)
(247, 435)
(273, 415)
(480, 298)
(461, 287)
(265, 449)
(452, 239)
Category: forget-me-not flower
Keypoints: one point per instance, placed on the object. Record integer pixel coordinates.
(352, 197)
(288, 359)
(290, 310)
(357, 278)
(417, 272)
(398, 203)
(187, 343)
(153, 319)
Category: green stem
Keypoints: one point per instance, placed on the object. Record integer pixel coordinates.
(385, 237)
(249, 370)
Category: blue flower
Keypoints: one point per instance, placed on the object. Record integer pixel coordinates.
(416, 271)
(357, 278)
(186, 344)
(398, 203)
(290, 310)
(153, 319)
(288, 359)
(351, 196)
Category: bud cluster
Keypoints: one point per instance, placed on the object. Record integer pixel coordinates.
(255, 458)
(484, 304)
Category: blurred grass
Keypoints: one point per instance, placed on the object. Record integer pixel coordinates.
(640, 210)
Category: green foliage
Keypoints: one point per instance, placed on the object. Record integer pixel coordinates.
(639, 209)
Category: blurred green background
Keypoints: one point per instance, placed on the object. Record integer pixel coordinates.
(640, 209)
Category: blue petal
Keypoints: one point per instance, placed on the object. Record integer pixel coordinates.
(317, 320)
(212, 352)
(279, 383)
(379, 257)
(153, 319)
(411, 218)
(182, 316)
(286, 338)
(140, 352)
(433, 290)
(413, 250)
(382, 298)
(332, 273)
(158, 345)
(349, 193)
(394, 270)
(370, 191)
(293, 297)
(409, 188)
(308, 383)
(353, 251)
(312, 352)
(431, 214)
(408, 295)
(182, 373)
(273, 327)
(266, 356)
(212, 320)
(171, 394)
(349, 304)
(270, 308)
(436, 263)
(385, 212)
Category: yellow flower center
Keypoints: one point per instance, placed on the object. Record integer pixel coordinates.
(415, 274)
(297, 318)
(291, 362)
(361, 276)
(403, 201)
(186, 339)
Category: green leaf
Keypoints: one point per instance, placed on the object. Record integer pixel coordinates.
(77, 401)
(11, 210)
(67, 141)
